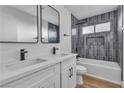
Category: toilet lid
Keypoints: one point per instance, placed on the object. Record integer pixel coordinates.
(81, 67)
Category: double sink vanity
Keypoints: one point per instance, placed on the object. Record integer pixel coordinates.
(55, 71)
(24, 25)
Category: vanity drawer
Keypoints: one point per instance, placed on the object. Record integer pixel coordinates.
(35, 78)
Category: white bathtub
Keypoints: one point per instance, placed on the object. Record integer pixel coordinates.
(106, 70)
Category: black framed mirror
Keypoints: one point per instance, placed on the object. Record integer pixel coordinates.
(18, 24)
(50, 23)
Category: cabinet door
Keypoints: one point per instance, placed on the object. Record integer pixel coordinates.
(52, 80)
(72, 79)
(65, 77)
(68, 72)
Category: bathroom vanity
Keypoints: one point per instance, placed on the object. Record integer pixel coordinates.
(24, 25)
(57, 71)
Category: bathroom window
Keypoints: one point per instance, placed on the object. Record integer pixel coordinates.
(102, 27)
(88, 29)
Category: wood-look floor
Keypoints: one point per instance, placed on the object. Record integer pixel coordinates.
(92, 82)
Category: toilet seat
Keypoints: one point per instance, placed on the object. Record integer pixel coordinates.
(81, 69)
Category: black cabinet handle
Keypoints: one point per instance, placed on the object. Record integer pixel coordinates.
(70, 73)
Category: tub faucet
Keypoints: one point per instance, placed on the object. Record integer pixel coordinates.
(22, 54)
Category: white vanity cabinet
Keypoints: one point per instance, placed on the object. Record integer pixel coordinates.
(68, 73)
(61, 74)
(45, 78)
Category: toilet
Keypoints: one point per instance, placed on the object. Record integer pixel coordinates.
(81, 70)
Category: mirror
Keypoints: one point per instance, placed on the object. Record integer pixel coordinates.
(50, 25)
(18, 24)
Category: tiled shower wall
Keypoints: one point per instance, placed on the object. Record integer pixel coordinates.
(120, 37)
(108, 49)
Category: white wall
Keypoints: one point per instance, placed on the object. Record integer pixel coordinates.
(65, 28)
(9, 52)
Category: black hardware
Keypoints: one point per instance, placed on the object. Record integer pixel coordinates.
(22, 54)
(70, 73)
(66, 35)
(54, 50)
(76, 50)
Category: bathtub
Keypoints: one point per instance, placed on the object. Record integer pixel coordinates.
(105, 70)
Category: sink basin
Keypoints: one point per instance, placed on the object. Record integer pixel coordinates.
(23, 64)
(64, 54)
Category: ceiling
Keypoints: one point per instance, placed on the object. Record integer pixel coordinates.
(85, 11)
(29, 9)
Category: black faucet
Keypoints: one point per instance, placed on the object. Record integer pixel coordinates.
(54, 50)
(22, 54)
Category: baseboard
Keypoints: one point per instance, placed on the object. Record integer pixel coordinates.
(119, 83)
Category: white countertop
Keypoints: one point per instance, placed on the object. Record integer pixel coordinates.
(7, 75)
